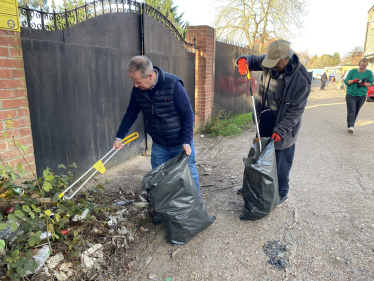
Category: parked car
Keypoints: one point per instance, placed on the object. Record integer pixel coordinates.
(370, 95)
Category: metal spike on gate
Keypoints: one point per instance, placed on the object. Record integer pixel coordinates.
(41, 5)
(53, 6)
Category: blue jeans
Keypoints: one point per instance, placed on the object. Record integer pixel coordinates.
(161, 154)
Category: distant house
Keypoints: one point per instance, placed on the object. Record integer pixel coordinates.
(369, 39)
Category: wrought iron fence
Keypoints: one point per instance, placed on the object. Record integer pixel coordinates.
(45, 20)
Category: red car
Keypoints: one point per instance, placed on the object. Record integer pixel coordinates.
(370, 93)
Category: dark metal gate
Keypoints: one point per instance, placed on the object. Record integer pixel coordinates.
(231, 90)
(78, 88)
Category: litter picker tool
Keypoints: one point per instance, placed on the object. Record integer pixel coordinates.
(99, 166)
(254, 107)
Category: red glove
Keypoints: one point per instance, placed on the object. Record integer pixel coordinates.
(242, 64)
(363, 84)
(275, 137)
(355, 81)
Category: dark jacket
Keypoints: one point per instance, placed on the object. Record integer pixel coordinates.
(168, 113)
(296, 91)
(324, 77)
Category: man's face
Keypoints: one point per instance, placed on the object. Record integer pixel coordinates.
(139, 82)
(281, 64)
(362, 67)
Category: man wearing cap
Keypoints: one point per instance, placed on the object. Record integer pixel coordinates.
(280, 102)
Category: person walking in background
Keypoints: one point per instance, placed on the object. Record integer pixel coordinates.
(358, 81)
(323, 80)
(280, 102)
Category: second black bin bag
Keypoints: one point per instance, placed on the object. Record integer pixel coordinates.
(174, 196)
(260, 181)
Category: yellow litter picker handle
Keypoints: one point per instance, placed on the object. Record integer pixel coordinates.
(130, 138)
(99, 165)
(248, 74)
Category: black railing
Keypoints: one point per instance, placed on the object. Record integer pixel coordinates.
(43, 20)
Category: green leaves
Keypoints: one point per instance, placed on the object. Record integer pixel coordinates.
(32, 241)
(12, 217)
(50, 177)
(2, 244)
(26, 208)
(46, 173)
(3, 226)
(14, 226)
(20, 271)
(47, 186)
(35, 209)
(19, 214)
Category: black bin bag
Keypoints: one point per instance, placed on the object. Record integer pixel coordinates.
(174, 196)
(260, 181)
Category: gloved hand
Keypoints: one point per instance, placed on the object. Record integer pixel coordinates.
(361, 83)
(242, 65)
(355, 81)
(276, 137)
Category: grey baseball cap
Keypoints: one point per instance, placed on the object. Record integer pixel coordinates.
(276, 50)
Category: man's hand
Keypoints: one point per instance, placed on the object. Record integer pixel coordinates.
(242, 65)
(117, 145)
(276, 137)
(187, 149)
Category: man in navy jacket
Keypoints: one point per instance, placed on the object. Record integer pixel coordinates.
(167, 110)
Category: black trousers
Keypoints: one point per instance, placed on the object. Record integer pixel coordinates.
(354, 105)
(323, 84)
(284, 157)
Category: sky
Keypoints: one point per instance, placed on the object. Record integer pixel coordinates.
(330, 26)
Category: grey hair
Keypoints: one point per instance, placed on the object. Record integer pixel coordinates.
(142, 64)
(363, 60)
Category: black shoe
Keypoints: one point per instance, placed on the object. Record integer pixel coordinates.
(282, 200)
(157, 219)
(240, 191)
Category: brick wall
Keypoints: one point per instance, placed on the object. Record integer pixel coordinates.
(204, 66)
(13, 100)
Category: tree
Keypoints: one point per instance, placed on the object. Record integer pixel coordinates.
(347, 58)
(248, 20)
(34, 4)
(72, 17)
(167, 8)
(305, 59)
(335, 59)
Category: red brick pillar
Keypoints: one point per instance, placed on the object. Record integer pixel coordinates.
(13, 101)
(204, 71)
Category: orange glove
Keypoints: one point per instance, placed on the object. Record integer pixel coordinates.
(242, 65)
(276, 137)
(355, 81)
